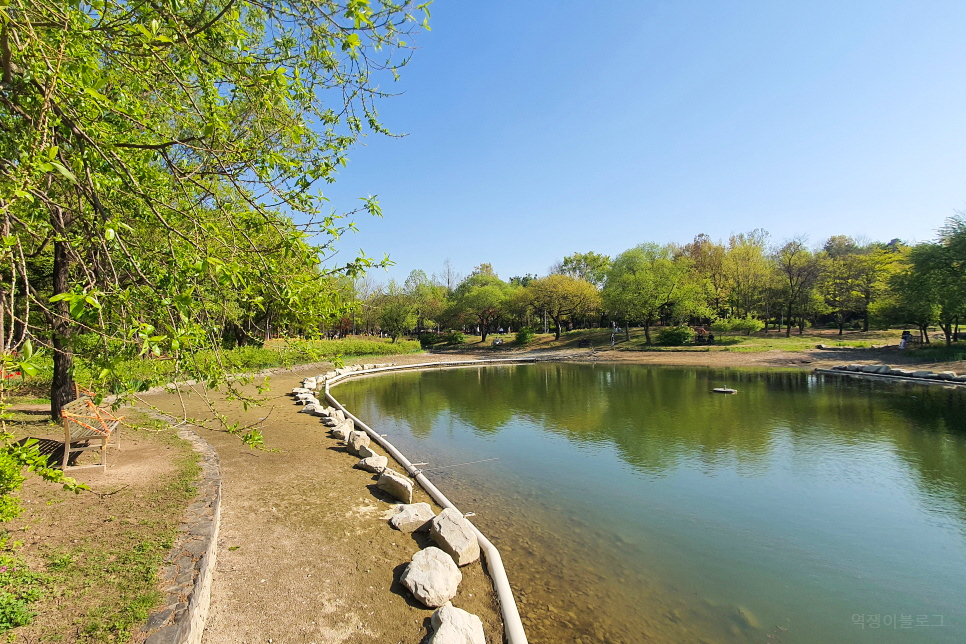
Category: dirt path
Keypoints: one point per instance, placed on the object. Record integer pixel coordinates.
(305, 550)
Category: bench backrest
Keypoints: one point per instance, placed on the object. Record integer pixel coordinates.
(83, 419)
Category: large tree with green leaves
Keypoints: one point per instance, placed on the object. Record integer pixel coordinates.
(650, 280)
(797, 270)
(562, 296)
(940, 269)
(482, 297)
(167, 158)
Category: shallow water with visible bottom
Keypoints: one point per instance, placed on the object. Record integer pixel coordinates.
(631, 504)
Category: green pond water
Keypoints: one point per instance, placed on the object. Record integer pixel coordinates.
(630, 504)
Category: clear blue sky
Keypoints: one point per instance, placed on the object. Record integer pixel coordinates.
(538, 129)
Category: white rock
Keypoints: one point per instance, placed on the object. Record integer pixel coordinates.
(356, 440)
(342, 431)
(309, 408)
(396, 485)
(413, 517)
(337, 414)
(300, 390)
(374, 464)
(453, 533)
(432, 577)
(356, 367)
(309, 383)
(453, 625)
(342, 372)
(365, 451)
(367, 367)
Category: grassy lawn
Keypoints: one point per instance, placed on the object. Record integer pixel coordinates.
(83, 568)
(755, 342)
(145, 373)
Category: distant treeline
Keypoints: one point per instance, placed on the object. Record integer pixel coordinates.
(745, 284)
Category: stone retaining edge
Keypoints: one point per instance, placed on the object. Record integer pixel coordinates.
(513, 630)
(190, 564)
(889, 377)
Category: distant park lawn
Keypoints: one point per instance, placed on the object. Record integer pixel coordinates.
(755, 342)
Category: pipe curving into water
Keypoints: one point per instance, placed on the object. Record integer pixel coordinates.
(512, 626)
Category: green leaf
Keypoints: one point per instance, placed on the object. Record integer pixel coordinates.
(64, 171)
(109, 234)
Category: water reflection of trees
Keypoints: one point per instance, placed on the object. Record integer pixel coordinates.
(658, 417)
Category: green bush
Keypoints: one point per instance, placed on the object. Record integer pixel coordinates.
(454, 337)
(429, 340)
(675, 336)
(732, 326)
(11, 478)
(525, 335)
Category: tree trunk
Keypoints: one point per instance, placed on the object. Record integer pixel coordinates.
(647, 332)
(62, 384)
(556, 320)
(841, 326)
(865, 321)
(947, 331)
(627, 331)
(483, 330)
(788, 322)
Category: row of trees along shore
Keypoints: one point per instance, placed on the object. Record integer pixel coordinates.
(744, 284)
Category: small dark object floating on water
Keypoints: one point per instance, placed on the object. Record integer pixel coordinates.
(724, 390)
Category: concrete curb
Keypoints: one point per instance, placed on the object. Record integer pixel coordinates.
(890, 378)
(188, 569)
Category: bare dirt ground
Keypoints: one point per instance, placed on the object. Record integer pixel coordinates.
(100, 549)
(305, 551)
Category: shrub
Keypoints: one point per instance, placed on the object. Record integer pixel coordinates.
(11, 478)
(428, 340)
(746, 325)
(454, 337)
(675, 336)
(525, 335)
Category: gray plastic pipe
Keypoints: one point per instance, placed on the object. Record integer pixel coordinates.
(512, 626)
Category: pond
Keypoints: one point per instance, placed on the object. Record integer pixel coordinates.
(631, 504)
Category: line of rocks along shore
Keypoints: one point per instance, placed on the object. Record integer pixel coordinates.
(433, 575)
(886, 370)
